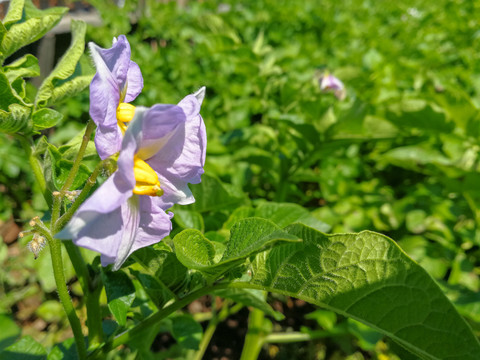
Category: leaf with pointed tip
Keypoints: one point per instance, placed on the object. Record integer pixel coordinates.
(67, 78)
(26, 66)
(37, 24)
(367, 277)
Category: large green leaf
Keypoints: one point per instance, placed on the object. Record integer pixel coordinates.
(37, 23)
(66, 78)
(367, 277)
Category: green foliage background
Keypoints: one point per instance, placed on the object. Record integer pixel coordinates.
(400, 155)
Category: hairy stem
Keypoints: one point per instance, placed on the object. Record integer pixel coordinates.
(57, 201)
(57, 263)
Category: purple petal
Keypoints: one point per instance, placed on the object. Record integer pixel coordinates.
(115, 71)
(158, 125)
(108, 141)
(112, 67)
(182, 158)
(155, 224)
(134, 82)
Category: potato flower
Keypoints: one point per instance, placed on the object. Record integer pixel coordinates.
(161, 150)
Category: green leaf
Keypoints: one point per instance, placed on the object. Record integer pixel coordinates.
(187, 331)
(46, 118)
(367, 277)
(194, 250)
(251, 235)
(66, 79)
(14, 14)
(159, 272)
(248, 236)
(16, 119)
(7, 95)
(189, 219)
(211, 194)
(26, 66)
(66, 350)
(10, 331)
(37, 24)
(419, 114)
(284, 214)
(25, 348)
(56, 168)
(120, 294)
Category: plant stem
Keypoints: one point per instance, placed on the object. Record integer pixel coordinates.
(211, 327)
(81, 151)
(283, 338)
(36, 167)
(57, 201)
(94, 317)
(57, 263)
(255, 335)
(91, 292)
(138, 329)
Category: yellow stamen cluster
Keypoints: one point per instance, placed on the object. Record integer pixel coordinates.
(125, 113)
(146, 179)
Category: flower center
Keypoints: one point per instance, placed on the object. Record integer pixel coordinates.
(125, 113)
(146, 179)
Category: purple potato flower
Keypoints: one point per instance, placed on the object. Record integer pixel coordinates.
(163, 149)
(118, 80)
(331, 83)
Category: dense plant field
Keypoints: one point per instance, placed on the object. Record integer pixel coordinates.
(327, 224)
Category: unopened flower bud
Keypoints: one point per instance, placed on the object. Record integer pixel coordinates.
(37, 244)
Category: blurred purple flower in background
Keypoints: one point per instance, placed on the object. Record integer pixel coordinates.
(162, 150)
(329, 83)
(118, 80)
